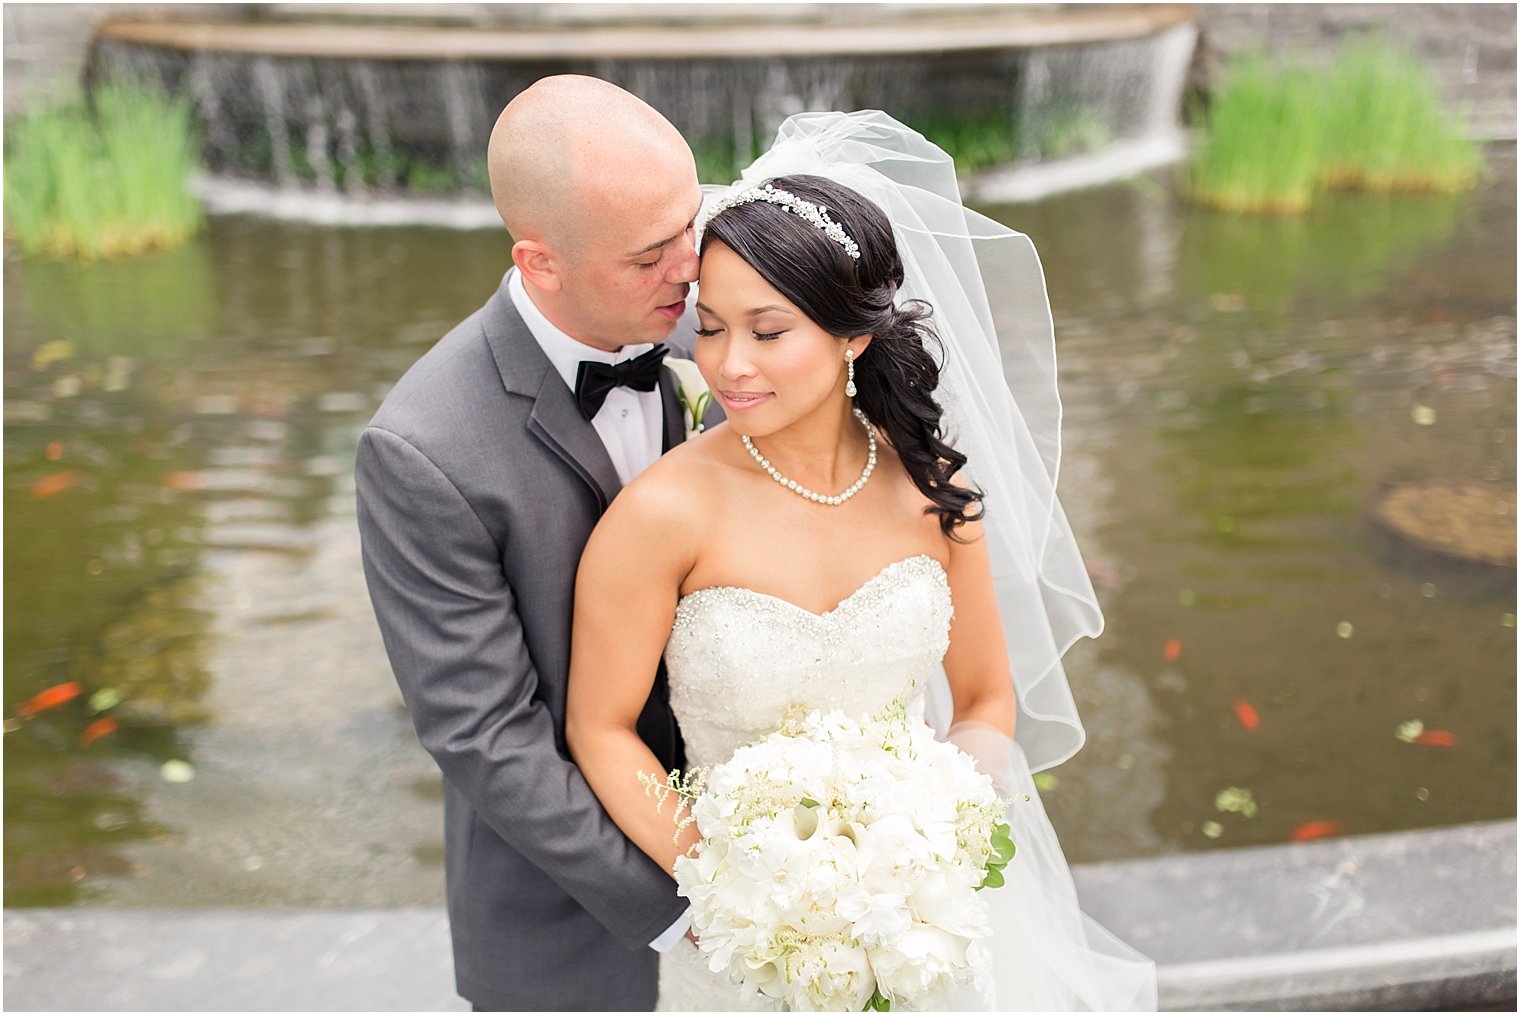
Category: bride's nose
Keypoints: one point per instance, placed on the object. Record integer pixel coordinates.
(735, 363)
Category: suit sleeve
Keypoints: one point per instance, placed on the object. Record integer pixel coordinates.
(455, 642)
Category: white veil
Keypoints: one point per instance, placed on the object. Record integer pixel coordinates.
(1002, 411)
(1009, 430)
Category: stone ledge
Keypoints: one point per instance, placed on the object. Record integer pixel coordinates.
(1400, 921)
(229, 960)
(1395, 922)
(1456, 971)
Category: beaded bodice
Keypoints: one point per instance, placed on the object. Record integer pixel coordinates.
(739, 660)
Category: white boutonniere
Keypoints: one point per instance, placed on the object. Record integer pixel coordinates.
(691, 390)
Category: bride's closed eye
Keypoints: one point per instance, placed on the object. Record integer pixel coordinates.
(763, 336)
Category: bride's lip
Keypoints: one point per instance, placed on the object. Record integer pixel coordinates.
(739, 401)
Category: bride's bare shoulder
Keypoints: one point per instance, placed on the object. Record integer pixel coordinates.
(686, 480)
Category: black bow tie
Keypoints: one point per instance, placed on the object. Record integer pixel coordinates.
(594, 380)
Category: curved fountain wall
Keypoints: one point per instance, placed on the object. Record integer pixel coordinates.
(367, 108)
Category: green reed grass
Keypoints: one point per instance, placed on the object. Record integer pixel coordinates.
(1385, 129)
(104, 179)
(1278, 135)
(972, 141)
(1262, 150)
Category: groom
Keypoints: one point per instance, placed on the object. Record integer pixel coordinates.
(479, 481)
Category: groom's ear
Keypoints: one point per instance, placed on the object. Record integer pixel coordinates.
(537, 264)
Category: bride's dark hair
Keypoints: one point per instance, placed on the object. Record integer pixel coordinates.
(896, 376)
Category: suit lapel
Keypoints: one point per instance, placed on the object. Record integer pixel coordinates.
(674, 418)
(554, 419)
(557, 422)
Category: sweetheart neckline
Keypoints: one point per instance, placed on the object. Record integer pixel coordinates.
(803, 609)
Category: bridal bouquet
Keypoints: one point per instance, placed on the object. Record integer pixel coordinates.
(840, 862)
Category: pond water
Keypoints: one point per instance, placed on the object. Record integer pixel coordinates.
(181, 541)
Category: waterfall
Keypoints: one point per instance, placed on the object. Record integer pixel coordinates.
(372, 125)
(270, 85)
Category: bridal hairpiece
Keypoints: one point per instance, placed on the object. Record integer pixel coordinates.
(807, 210)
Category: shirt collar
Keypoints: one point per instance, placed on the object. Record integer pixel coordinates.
(564, 352)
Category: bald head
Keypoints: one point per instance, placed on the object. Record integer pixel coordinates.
(564, 147)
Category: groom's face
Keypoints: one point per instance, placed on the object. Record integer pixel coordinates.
(628, 278)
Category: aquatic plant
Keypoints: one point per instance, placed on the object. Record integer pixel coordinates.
(1278, 134)
(720, 160)
(1261, 153)
(105, 178)
(972, 141)
(1385, 129)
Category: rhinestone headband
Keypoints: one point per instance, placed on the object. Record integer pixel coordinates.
(806, 210)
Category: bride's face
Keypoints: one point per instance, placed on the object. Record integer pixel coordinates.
(766, 362)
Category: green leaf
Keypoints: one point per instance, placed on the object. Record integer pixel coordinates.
(877, 1002)
(1002, 843)
(808, 802)
(994, 878)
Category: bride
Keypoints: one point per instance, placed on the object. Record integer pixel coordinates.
(876, 518)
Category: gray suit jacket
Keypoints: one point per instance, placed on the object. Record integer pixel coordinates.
(478, 485)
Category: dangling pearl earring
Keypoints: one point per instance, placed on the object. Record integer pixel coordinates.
(849, 381)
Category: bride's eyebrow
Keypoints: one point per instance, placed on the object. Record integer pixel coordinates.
(756, 312)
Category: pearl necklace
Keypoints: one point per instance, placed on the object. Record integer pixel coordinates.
(802, 491)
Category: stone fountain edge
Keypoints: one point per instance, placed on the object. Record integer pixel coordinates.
(1401, 921)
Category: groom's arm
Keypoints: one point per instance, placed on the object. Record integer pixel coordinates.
(455, 641)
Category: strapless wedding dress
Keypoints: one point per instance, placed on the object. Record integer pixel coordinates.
(738, 661)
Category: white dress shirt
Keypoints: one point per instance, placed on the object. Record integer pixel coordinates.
(630, 423)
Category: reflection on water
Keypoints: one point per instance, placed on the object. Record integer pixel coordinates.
(1238, 393)
(179, 521)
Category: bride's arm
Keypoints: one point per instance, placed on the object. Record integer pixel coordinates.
(625, 600)
(981, 685)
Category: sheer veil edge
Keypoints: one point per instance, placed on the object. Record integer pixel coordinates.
(997, 387)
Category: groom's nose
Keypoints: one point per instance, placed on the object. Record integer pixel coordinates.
(683, 260)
